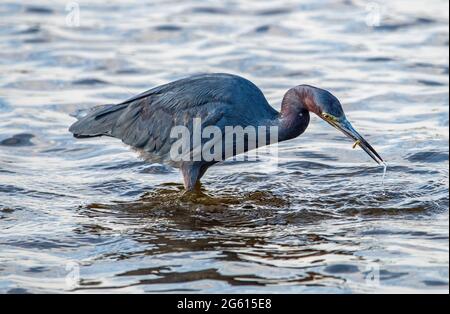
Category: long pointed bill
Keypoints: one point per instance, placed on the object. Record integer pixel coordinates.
(345, 127)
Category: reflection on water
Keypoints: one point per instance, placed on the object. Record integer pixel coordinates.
(87, 215)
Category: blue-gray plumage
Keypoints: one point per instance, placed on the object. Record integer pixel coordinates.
(146, 120)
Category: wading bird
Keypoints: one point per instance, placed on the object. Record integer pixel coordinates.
(220, 100)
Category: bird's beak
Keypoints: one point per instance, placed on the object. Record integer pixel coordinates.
(345, 127)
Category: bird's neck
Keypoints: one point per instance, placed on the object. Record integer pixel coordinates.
(293, 119)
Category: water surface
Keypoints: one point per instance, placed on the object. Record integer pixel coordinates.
(318, 221)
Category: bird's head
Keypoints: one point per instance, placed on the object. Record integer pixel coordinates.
(328, 108)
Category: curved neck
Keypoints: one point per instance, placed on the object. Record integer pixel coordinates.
(294, 116)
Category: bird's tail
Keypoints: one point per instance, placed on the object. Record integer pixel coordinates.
(98, 122)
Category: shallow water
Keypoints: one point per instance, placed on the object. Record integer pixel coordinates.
(320, 221)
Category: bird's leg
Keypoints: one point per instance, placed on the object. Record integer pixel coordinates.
(191, 176)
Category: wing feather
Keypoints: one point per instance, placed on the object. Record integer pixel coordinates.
(146, 120)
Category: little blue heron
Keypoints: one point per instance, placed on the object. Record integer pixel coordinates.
(145, 121)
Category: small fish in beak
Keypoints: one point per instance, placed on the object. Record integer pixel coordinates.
(343, 125)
